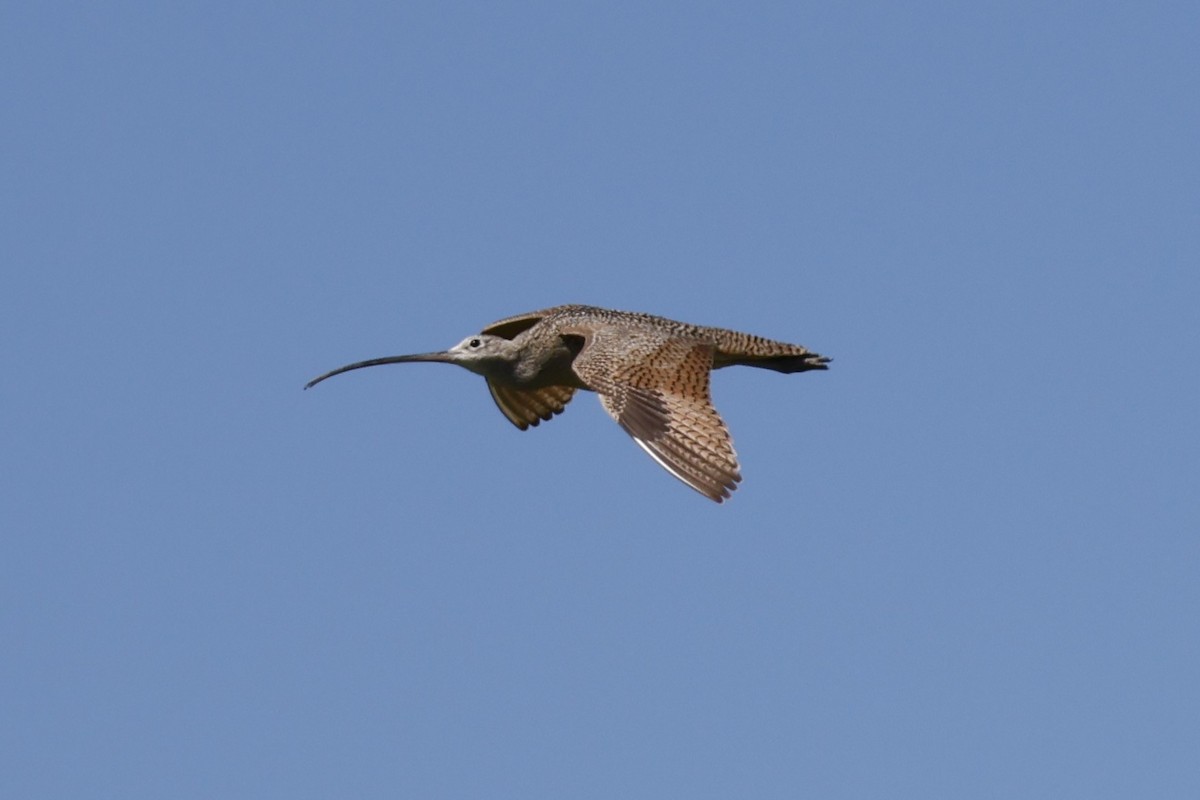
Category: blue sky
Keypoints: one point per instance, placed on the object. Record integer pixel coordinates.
(963, 562)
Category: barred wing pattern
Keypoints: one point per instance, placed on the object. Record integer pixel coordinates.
(657, 389)
(525, 408)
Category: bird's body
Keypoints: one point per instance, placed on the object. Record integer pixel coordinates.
(651, 373)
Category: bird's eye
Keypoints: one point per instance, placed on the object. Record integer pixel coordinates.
(474, 343)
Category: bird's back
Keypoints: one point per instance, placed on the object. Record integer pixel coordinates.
(646, 331)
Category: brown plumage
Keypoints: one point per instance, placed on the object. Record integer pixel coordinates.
(651, 373)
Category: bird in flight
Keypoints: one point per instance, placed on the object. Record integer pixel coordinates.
(651, 373)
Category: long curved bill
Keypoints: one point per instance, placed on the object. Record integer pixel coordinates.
(374, 362)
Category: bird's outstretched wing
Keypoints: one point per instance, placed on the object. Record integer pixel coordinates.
(510, 327)
(528, 407)
(657, 388)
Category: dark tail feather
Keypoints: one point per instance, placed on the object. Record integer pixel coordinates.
(787, 364)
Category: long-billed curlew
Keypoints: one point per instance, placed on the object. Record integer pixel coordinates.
(651, 374)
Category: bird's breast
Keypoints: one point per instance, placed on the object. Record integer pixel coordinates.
(546, 366)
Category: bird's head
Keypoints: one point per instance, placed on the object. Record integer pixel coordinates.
(483, 354)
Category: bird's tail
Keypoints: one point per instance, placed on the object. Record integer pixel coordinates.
(787, 364)
(745, 349)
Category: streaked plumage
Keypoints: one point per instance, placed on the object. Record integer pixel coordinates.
(651, 373)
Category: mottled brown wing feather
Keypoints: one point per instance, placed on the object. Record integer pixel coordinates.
(657, 389)
(511, 327)
(527, 407)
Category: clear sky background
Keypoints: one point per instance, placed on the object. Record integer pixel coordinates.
(964, 562)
